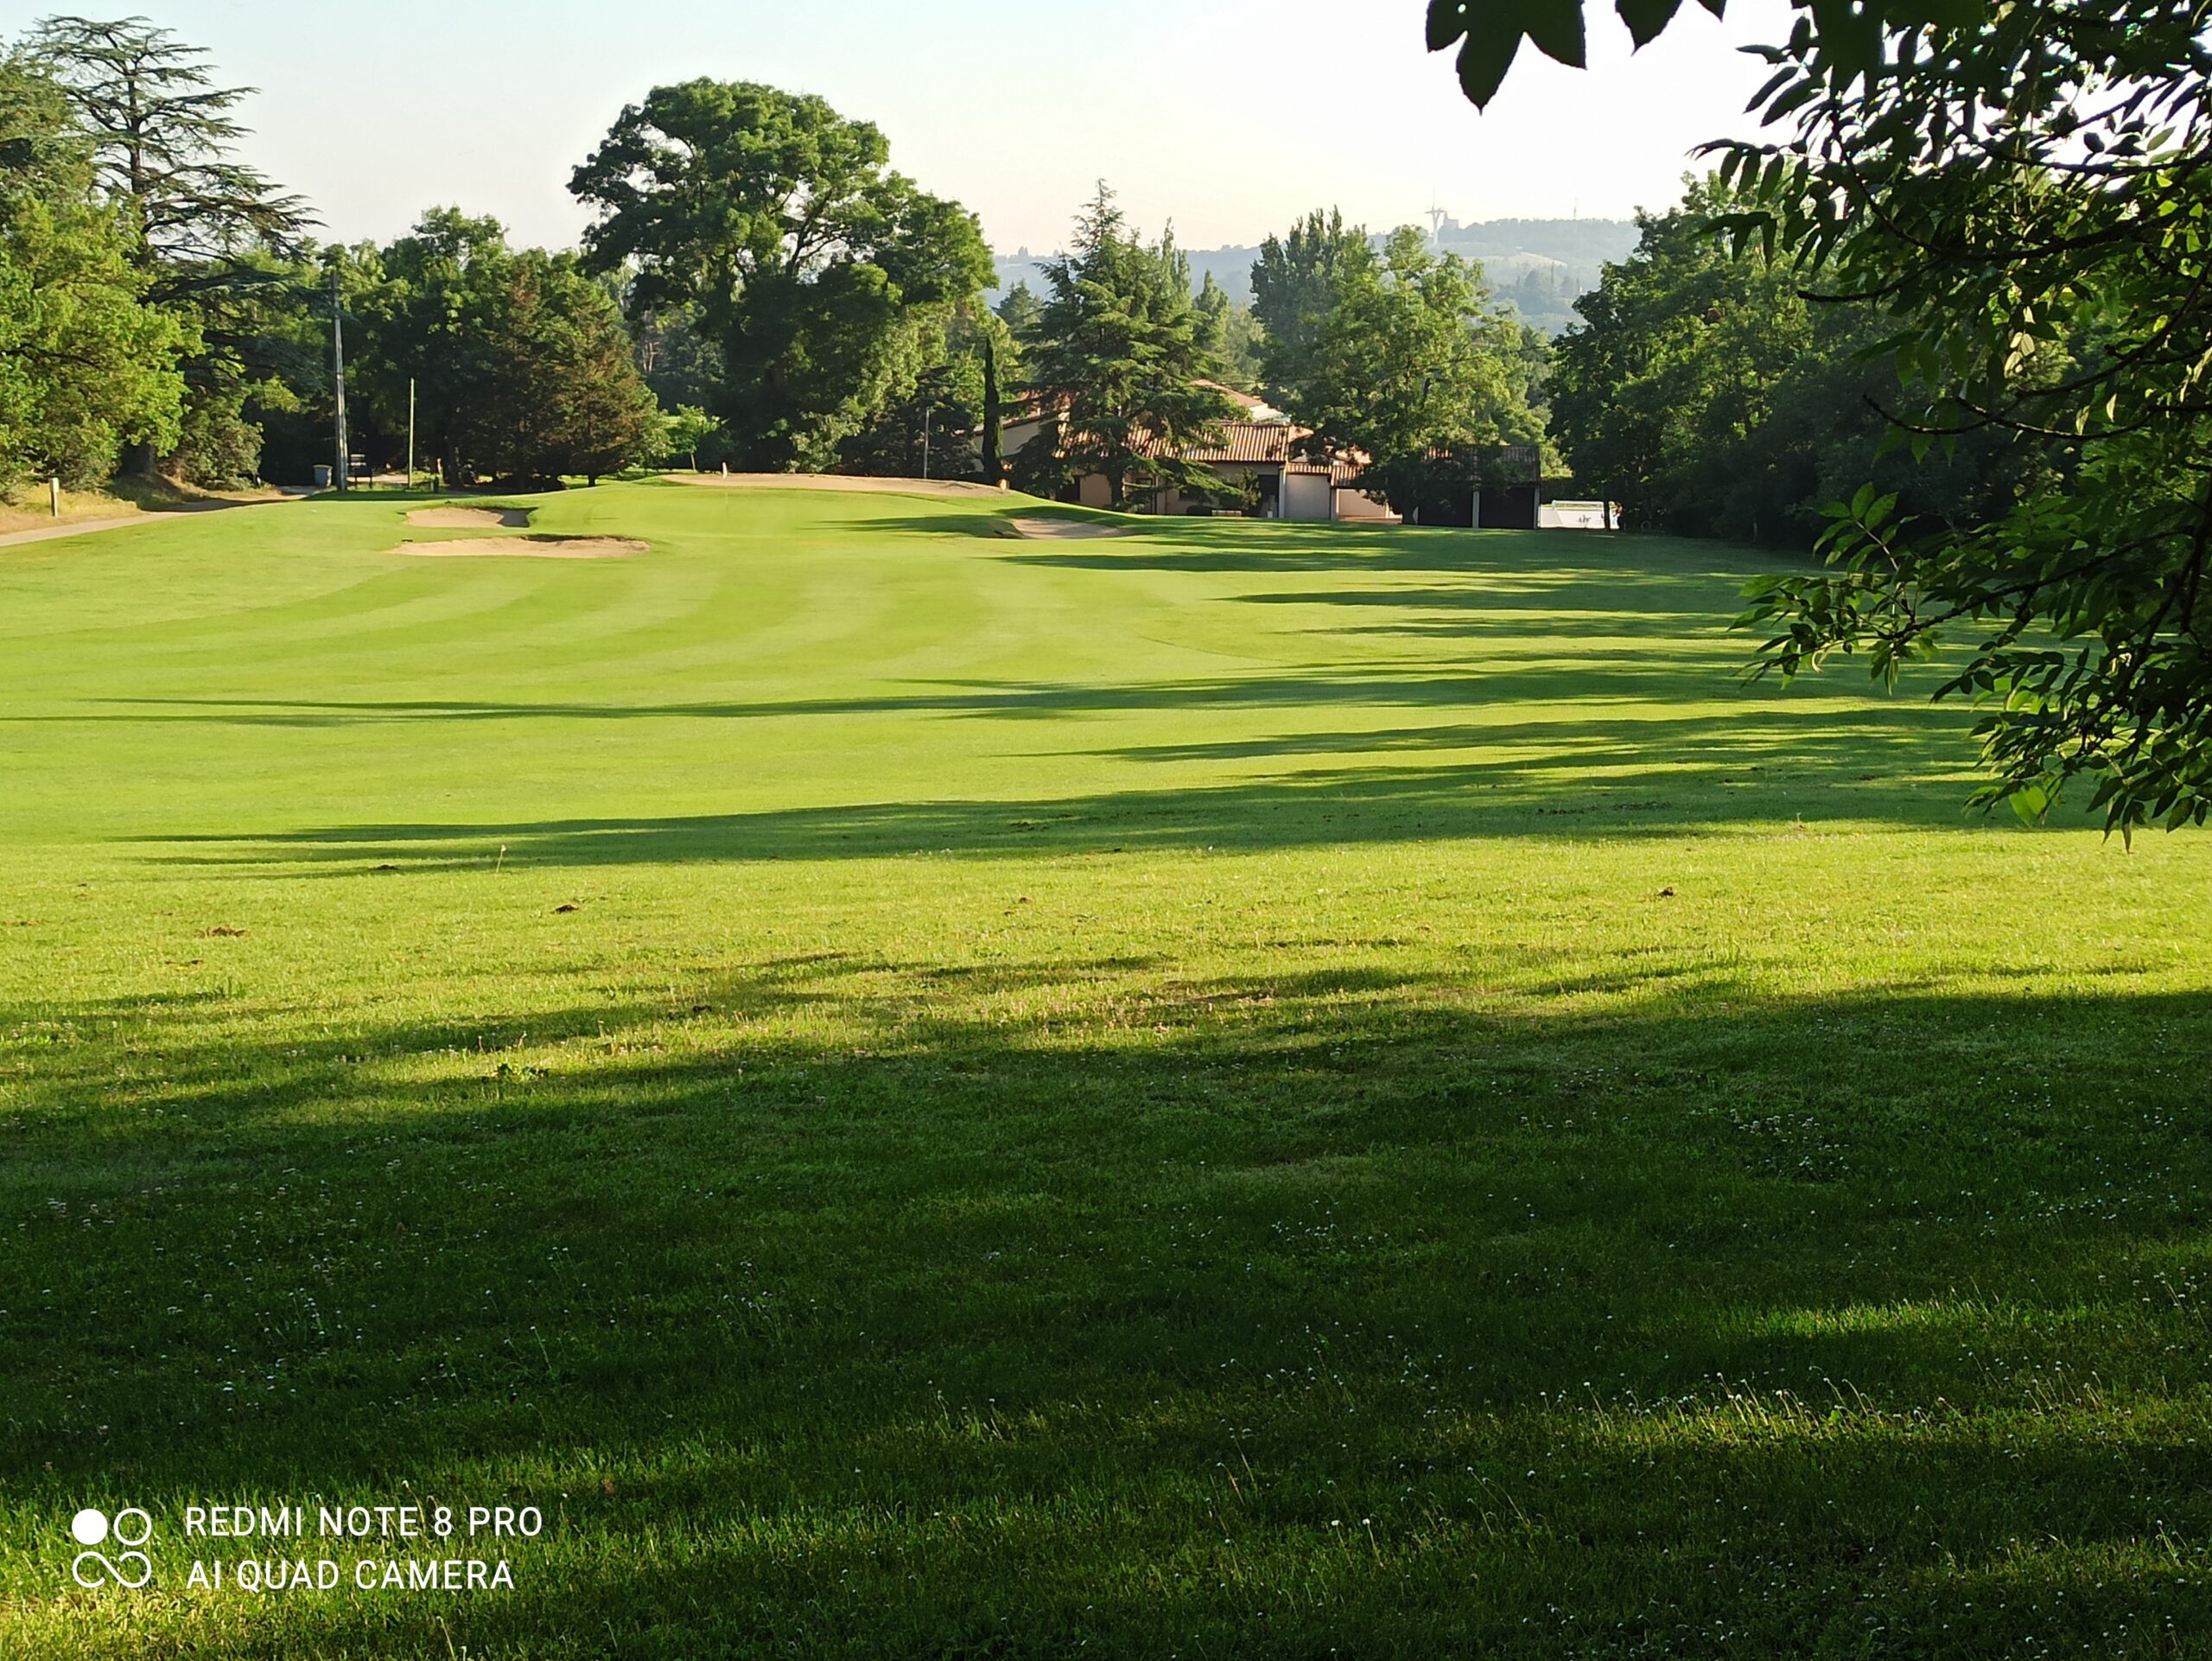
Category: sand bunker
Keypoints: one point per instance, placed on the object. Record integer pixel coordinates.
(1067, 529)
(470, 518)
(528, 548)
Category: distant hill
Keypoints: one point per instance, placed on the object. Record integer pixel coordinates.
(1571, 242)
(1231, 268)
(1539, 266)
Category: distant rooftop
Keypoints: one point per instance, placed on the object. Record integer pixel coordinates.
(1255, 408)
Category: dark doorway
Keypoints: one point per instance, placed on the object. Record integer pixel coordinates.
(1509, 508)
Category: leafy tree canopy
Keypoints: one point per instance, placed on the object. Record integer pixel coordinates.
(943, 427)
(1672, 370)
(1231, 333)
(1408, 364)
(806, 256)
(685, 432)
(2021, 196)
(521, 366)
(1296, 282)
(85, 365)
(1705, 393)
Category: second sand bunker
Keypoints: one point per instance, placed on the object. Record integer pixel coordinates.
(470, 518)
(529, 548)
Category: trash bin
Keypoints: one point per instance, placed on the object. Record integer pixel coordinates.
(322, 477)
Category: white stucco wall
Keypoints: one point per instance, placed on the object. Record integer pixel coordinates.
(1307, 496)
(1352, 505)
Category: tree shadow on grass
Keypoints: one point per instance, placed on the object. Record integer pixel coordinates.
(1142, 541)
(1266, 1313)
(1718, 776)
(1196, 545)
(987, 526)
(1689, 618)
(1497, 682)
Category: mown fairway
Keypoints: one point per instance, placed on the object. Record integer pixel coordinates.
(1246, 1091)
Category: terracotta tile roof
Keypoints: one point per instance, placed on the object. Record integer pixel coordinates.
(1249, 441)
(1250, 444)
(1269, 443)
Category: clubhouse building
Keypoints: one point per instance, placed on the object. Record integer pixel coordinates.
(1257, 462)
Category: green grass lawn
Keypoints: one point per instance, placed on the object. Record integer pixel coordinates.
(1244, 1091)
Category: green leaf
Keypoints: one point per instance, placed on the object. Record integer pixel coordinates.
(1796, 99)
(1447, 21)
(1646, 18)
(1851, 39)
(1556, 28)
(1773, 85)
(1489, 53)
(1942, 14)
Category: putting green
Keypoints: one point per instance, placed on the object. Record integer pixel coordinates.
(912, 1089)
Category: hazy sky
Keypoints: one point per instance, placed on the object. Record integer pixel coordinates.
(1231, 116)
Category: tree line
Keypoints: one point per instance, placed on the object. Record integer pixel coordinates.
(759, 288)
(162, 305)
(1398, 356)
(828, 313)
(1710, 392)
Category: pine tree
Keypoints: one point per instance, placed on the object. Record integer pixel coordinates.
(605, 418)
(994, 429)
(1019, 311)
(218, 242)
(1118, 355)
(1230, 333)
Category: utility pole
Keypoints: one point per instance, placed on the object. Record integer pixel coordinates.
(925, 441)
(410, 432)
(338, 376)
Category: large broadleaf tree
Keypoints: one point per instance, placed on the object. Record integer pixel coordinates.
(514, 363)
(1399, 356)
(823, 276)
